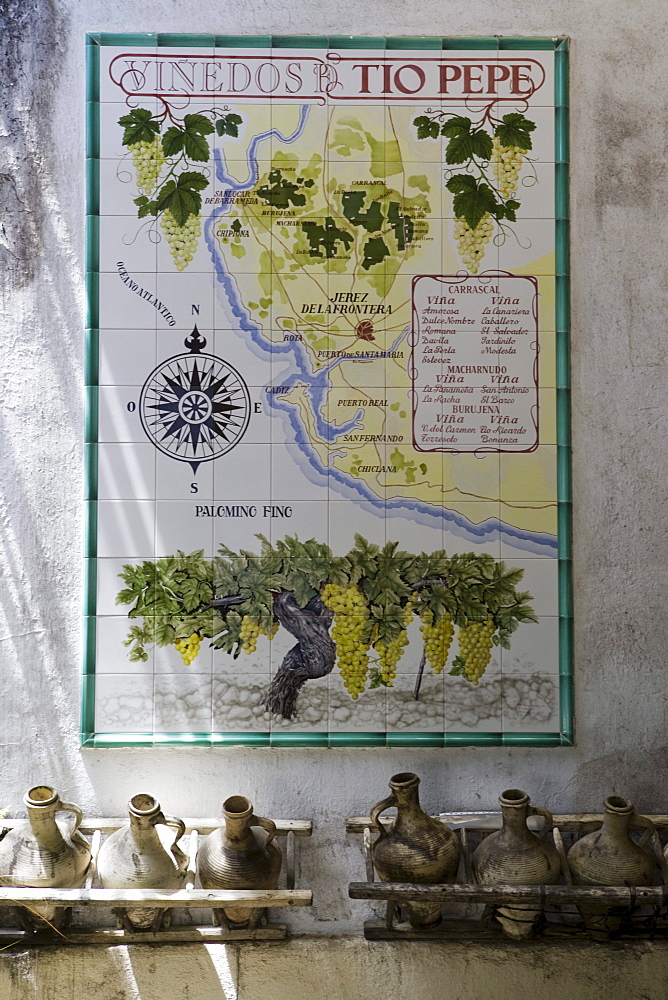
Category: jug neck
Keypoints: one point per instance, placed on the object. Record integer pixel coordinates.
(238, 813)
(515, 810)
(42, 804)
(405, 790)
(617, 817)
(145, 814)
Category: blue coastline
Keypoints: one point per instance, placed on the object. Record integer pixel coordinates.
(299, 372)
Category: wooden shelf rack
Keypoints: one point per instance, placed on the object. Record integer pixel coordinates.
(644, 908)
(188, 898)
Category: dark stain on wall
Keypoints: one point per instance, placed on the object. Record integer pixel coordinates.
(32, 38)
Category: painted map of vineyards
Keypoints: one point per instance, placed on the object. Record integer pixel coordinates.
(328, 406)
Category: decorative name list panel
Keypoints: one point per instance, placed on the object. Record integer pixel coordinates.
(475, 364)
(328, 405)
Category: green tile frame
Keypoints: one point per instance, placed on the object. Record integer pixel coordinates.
(565, 737)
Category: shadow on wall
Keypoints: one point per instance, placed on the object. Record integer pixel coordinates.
(41, 423)
(134, 972)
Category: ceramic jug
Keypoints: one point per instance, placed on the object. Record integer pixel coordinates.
(516, 856)
(240, 855)
(416, 848)
(144, 855)
(610, 856)
(45, 853)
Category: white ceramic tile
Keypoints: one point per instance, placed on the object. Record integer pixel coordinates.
(190, 297)
(470, 709)
(242, 350)
(117, 423)
(127, 357)
(112, 656)
(293, 476)
(125, 72)
(127, 300)
(238, 703)
(177, 481)
(541, 581)
(534, 648)
(126, 528)
(182, 703)
(168, 660)
(365, 715)
(530, 703)
(124, 703)
(243, 474)
(109, 583)
(180, 525)
(530, 248)
(126, 250)
(405, 714)
(347, 519)
(126, 472)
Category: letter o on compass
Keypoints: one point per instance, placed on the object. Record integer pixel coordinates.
(194, 407)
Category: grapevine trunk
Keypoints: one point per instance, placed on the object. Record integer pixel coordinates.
(313, 656)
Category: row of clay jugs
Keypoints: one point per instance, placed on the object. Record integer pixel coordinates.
(514, 855)
(144, 854)
(415, 848)
(609, 856)
(45, 852)
(240, 855)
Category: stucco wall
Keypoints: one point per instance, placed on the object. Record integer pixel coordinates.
(620, 368)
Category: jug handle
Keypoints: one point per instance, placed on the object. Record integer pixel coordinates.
(266, 824)
(644, 823)
(69, 807)
(378, 809)
(175, 822)
(547, 816)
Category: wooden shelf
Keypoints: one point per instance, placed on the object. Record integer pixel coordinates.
(555, 902)
(262, 902)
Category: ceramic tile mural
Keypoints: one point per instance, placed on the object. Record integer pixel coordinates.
(328, 417)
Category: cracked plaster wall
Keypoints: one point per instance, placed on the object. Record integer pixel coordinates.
(620, 369)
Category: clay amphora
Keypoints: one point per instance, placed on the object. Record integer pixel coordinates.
(240, 855)
(45, 853)
(516, 856)
(144, 855)
(610, 857)
(416, 848)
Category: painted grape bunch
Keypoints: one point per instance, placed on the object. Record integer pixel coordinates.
(170, 189)
(490, 153)
(351, 611)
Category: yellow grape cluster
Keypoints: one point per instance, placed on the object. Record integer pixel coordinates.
(183, 239)
(389, 654)
(437, 639)
(148, 160)
(270, 632)
(248, 634)
(189, 648)
(475, 648)
(351, 613)
(471, 243)
(507, 163)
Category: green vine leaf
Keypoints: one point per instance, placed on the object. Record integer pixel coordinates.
(145, 207)
(139, 126)
(465, 143)
(514, 130)
(427, 128)
(473, 198)
(182, 196)
(191, 139)
(229, 125)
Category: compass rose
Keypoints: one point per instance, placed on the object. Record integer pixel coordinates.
(194, 407)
